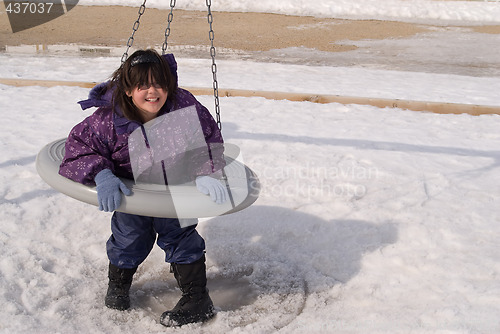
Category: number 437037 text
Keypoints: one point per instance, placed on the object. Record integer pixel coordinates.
(29, 7)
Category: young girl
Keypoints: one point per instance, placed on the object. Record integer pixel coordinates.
(142, 89)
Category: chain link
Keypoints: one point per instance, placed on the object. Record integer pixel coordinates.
(211, 36)
(216, 90)
(130, 41)
(214, 65)
(167, 30)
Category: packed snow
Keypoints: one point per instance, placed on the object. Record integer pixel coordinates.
(369, 221)
(401, 10)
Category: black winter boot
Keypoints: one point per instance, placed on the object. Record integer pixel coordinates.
(118, 287)
(195, 304)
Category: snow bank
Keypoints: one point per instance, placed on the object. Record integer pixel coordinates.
(414, 11)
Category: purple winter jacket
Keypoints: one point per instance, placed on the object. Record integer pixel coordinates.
(101, 140)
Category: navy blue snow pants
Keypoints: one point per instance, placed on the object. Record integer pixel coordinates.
(133, 238)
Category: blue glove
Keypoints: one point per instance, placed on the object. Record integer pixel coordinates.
(109, 189)
(213, 187)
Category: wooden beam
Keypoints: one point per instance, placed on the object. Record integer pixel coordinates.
(45, 83)
(435, 107)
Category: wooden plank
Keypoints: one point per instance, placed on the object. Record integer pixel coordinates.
(45, 83)
(435, 107)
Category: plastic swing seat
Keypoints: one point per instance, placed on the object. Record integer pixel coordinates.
(177, 201)
(155, 200)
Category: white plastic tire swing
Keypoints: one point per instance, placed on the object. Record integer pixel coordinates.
(157, 200)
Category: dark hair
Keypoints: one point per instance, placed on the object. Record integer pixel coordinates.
(136, 71)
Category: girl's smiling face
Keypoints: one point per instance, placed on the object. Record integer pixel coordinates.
(144, 82)
(148, 99)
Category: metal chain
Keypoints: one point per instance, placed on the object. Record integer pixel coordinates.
(214, 65)
(134, 29)
(167, 30)
(210, 18)
(216, 91)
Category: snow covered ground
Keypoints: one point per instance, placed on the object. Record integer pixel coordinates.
(370, 220)
(471, 12)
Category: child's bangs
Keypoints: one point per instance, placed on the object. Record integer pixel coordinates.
(143, 74)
